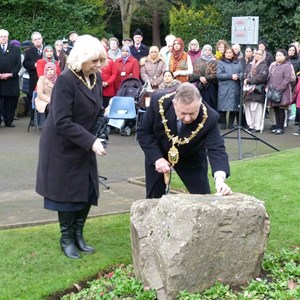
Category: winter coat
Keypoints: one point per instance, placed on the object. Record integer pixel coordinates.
(142, 51)
(30, 59)
(261, 77)
(229, 89)
(10, 62)
(152, 71)
(296, 96)
(44, 88)
(109, 74)
(126, 70)
(66, 160)
(40, 67)
(280, 78)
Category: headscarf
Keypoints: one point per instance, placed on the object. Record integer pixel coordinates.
(52, 77)
(46, 48)
(177, 54)
(207, 57)
(158, 55)
(255, 62)
(125, 58)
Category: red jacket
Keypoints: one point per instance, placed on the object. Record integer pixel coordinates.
(109, 74)
(296, 96)
(130, 69)
(40, 66)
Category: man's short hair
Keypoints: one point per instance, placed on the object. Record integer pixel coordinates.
(187, 93)
(4, 32)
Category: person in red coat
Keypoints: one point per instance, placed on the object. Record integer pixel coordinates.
(108, 74)
(127, 66)
(48, 56)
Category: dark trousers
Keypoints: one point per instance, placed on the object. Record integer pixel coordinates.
(9, 105)
(195, 180)
(280, 117)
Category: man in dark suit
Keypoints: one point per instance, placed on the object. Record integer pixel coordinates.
(178, 129)
(32, 55)
(138, 50)
(10, 65)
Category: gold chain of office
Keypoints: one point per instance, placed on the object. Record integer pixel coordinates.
(173, 154)
(90, 87)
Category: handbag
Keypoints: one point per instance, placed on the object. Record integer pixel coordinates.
(273, 95)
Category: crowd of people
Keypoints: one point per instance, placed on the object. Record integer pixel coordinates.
(216, 71)
(194, 93)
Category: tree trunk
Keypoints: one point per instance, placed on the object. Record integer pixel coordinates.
(156, 18)
(127, 7)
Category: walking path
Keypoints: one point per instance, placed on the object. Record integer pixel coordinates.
(21, 206)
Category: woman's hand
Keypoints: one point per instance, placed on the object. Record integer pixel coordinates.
(98, 148)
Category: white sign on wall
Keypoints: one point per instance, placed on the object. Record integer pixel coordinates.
(244, 30)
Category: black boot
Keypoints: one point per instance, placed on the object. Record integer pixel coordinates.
(80, 218)
(66, 222)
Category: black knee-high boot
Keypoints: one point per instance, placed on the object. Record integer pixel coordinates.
(66, 222)
(80, 218)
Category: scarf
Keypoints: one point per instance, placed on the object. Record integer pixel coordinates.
(255, 63)
(207, 58)
(53, 76)
(52, 59)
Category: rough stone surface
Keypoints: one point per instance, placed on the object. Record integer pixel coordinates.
(188, 242)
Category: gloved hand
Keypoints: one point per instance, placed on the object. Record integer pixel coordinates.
(98, 148)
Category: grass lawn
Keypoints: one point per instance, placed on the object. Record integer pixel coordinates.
(33, 267)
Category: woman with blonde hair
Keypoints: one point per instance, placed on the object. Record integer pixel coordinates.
(67, 175)
(194, 50)
(152, 68)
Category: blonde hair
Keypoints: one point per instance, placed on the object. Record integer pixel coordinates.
(86, 48)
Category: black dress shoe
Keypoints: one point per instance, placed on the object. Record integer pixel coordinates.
(9, 125)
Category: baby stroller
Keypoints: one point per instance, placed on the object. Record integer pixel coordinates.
(130, 90)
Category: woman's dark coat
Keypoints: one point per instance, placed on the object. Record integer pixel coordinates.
(261, 77)
(66, 160)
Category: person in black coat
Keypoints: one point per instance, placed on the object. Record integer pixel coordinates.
(67, 174)
(10, 65)
(31, 56)
(138, 49)
(179, 129)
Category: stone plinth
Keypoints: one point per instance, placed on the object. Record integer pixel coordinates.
(188, 242)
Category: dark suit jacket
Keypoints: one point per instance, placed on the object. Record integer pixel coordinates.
(66, 160)
(139, 53)
(208, 142)
(10, 62)
(30, 58)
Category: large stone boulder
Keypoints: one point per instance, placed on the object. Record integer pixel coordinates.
(188, 242)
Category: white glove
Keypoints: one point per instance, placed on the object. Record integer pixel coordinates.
(98, 148)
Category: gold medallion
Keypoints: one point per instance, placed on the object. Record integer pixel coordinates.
(173, 155)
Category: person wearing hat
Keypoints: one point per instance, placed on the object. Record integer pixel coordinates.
(263, 45)
(138, 50)
(65, 48)
(72, 36)
(10, 65)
